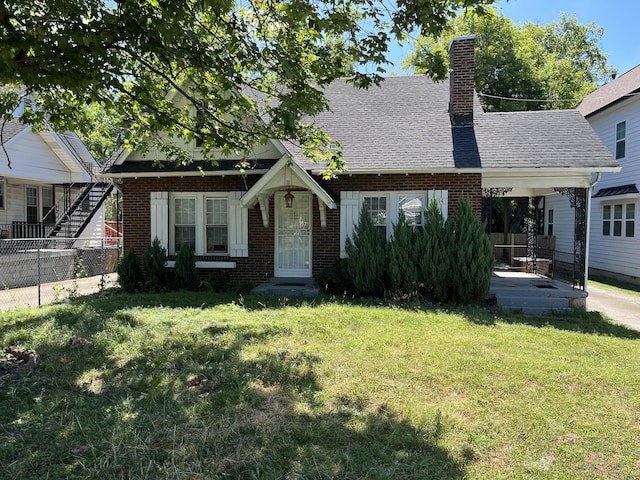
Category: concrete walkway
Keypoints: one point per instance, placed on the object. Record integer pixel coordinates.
(621, 307)
(55, 291)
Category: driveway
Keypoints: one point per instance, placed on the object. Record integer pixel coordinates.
(620, 307)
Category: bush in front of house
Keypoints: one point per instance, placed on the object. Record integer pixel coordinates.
(366, 259)
(434, 255)
(403, 256)
(335, 279)
(471, 257)
(154, 260)
(185, 273)
(444, 261)
(129, 272)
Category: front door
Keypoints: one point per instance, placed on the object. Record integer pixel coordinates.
(293, 236)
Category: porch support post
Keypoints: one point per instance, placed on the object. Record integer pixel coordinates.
(322, 209)
(532, 236)
(264, 209)
(580, 201)
(580, 236)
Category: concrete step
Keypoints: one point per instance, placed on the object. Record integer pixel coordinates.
(534, 304)
(288, 287)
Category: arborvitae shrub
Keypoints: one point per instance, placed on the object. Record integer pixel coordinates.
(185, 272)
(129, 272)
(434, 258)
(335, 279)
(154, 260)
(471, 255)
(403, 259)
(366, 258)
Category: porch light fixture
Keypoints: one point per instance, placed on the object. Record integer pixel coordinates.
(288, 199)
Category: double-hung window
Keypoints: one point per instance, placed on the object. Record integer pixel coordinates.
(619, 219)
(216, 225)
(550, 214)
(200, 221)
(621, 135)
(377, 207)
(412, 206)
(385, 209)
(185, 223)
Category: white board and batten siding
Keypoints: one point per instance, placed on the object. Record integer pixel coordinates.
(608, 253)
(351, 205)
(238, 227)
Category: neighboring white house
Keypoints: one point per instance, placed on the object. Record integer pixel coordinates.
(47, 184)
(614, 245)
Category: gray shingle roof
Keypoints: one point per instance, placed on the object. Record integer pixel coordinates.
(612, 92)
(10, 129)
(404, 125)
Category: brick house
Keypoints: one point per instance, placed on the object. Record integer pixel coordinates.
(405, 142)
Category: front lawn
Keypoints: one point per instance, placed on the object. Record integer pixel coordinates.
(197, 386)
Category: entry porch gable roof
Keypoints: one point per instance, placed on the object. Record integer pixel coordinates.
(286, 174)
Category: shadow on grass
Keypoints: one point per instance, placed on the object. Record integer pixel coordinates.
(581, 321)
(214, 402)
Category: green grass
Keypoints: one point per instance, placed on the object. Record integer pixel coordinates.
(198, 386)
(621, 286)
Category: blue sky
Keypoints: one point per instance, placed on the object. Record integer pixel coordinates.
(619, 18)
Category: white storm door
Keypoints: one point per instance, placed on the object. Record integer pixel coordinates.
(293, 236)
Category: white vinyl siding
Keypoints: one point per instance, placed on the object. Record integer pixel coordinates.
(384, 208)
(608, 253)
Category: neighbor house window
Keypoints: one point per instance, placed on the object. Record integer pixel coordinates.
(2, 194)
(216, 225)
(606, 220)
(550, 222)
(185, 222)
(619, 220)
(630, 220)
(377, 207)
(621, 135)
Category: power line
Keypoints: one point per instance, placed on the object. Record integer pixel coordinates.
(513, 99)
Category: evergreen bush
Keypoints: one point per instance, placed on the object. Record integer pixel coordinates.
(185, 272)
(434, 256)
(129, 272)
(154, 260)
(335, 279)
(366, 262)
(403, 259)
(471, 256)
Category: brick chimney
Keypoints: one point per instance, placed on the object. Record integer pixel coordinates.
(461, 80)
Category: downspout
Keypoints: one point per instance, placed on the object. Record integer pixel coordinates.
(587, 242)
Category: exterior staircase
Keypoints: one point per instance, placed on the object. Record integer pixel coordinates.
(82, 209)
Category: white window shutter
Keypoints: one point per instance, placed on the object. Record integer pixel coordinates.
(349, 216)
(238, 226)
(160, 217)
(442, 198)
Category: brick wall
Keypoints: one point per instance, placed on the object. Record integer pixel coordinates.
(326, 243)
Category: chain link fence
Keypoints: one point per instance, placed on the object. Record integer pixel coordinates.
(37, 271)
